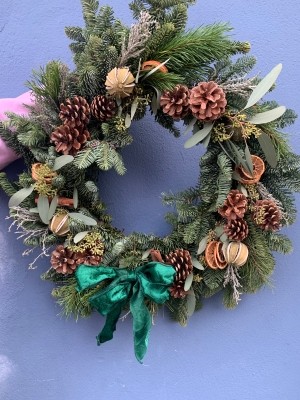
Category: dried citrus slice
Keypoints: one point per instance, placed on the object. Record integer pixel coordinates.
(210, 254)
(148, 65)
(258, 170)
(219, 256)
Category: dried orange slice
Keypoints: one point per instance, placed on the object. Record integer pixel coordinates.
(210, 254)
(219, 256)
(147, 65)
(258, 170)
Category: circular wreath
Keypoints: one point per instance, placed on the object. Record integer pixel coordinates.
(224, 229)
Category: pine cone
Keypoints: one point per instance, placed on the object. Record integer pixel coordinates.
(103, 108)
(207, 101)
(120, 82)
(64, 260)
(88, 258)
(236, 229)
(69, 140)
(182, 262)
(234, 206)
(267, 215)
(75, 112)
(176, 102)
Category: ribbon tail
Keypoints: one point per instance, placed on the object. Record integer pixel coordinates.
(112, 318)
(141, 323)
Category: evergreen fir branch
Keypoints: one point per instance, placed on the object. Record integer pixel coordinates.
(75, 33)
(213, 279)
(163, 82)
(224, 178)
(226, 70)
(105, 20)
(158, 39)
(85, 158)
(8, 187)
(260, 264)
(279, 242)
(90, 8)
(167, 122)
(288, 118)
(178, 310)
(178, 17)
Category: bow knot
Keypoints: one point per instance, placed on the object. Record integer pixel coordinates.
(150, 281)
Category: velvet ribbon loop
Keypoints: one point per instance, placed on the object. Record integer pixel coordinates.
(150, 281)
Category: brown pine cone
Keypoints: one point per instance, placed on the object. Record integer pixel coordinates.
(69, 140)
(175, 102)
(267, 215)
(75, 112)
(236, 229)
(64, 260)
(207, 101)
(103, 108)
(182, 262)
(234, 206)
(88, 258)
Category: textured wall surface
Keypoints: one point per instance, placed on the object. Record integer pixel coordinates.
(251, 353)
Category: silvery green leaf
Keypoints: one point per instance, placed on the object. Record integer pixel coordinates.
(156, 69)
(145, 255)
(223, 238)
(197, 264)
(190, 126)
(236, 176)
(268, 116)
(20, 196)
(118, 247)
(43, 207)
(238, 157)
(268, 148)
(243, 190)
(205, 142)
(138, 71)
(53, 206)
(202, 245)
(188, 282)
(127, 121)
(133, 109)
(248, 159)
(264, 86)
(80, 236)
(154, 104)
(191, 302)
(85, 219)
(62, 161)
(75, 197)
(199, 136)
(219, 230)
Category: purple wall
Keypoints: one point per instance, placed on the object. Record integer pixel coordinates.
(252, 353)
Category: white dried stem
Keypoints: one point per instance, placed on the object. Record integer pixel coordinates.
(266, 195)
(241, 86)
(232, 277)
(138, 36)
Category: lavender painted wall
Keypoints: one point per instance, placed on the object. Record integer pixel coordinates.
(252, 353)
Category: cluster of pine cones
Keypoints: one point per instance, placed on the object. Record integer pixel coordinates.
(206, 101)
(266, 214)
(75, 115)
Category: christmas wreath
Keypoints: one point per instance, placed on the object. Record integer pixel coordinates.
(224, 229)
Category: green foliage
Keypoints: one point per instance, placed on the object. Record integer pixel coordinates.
(8, 187)
(224, 179)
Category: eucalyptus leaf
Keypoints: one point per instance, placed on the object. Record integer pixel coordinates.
(154, 107)
(205, 142)
(268, 148)
(199, 136)
(264, 86)
(190, 126)
(188, 282)
(145, 255)
(127, 121)
(202, 245)
(85, 219)
(223, 238)
(80, 236)
(75, 197)
(197, 264)
(236, 176)
(138, 71)
(243, 190)
(62, 161)
(156, 69)
(239, 159)
(20, 196)
(219, 230)
(53, 206)
(268, 116)
(248, 159)
(190, 302)
(43, 207)
(134, 107)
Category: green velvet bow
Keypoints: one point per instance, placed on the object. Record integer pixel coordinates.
(150, 281)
